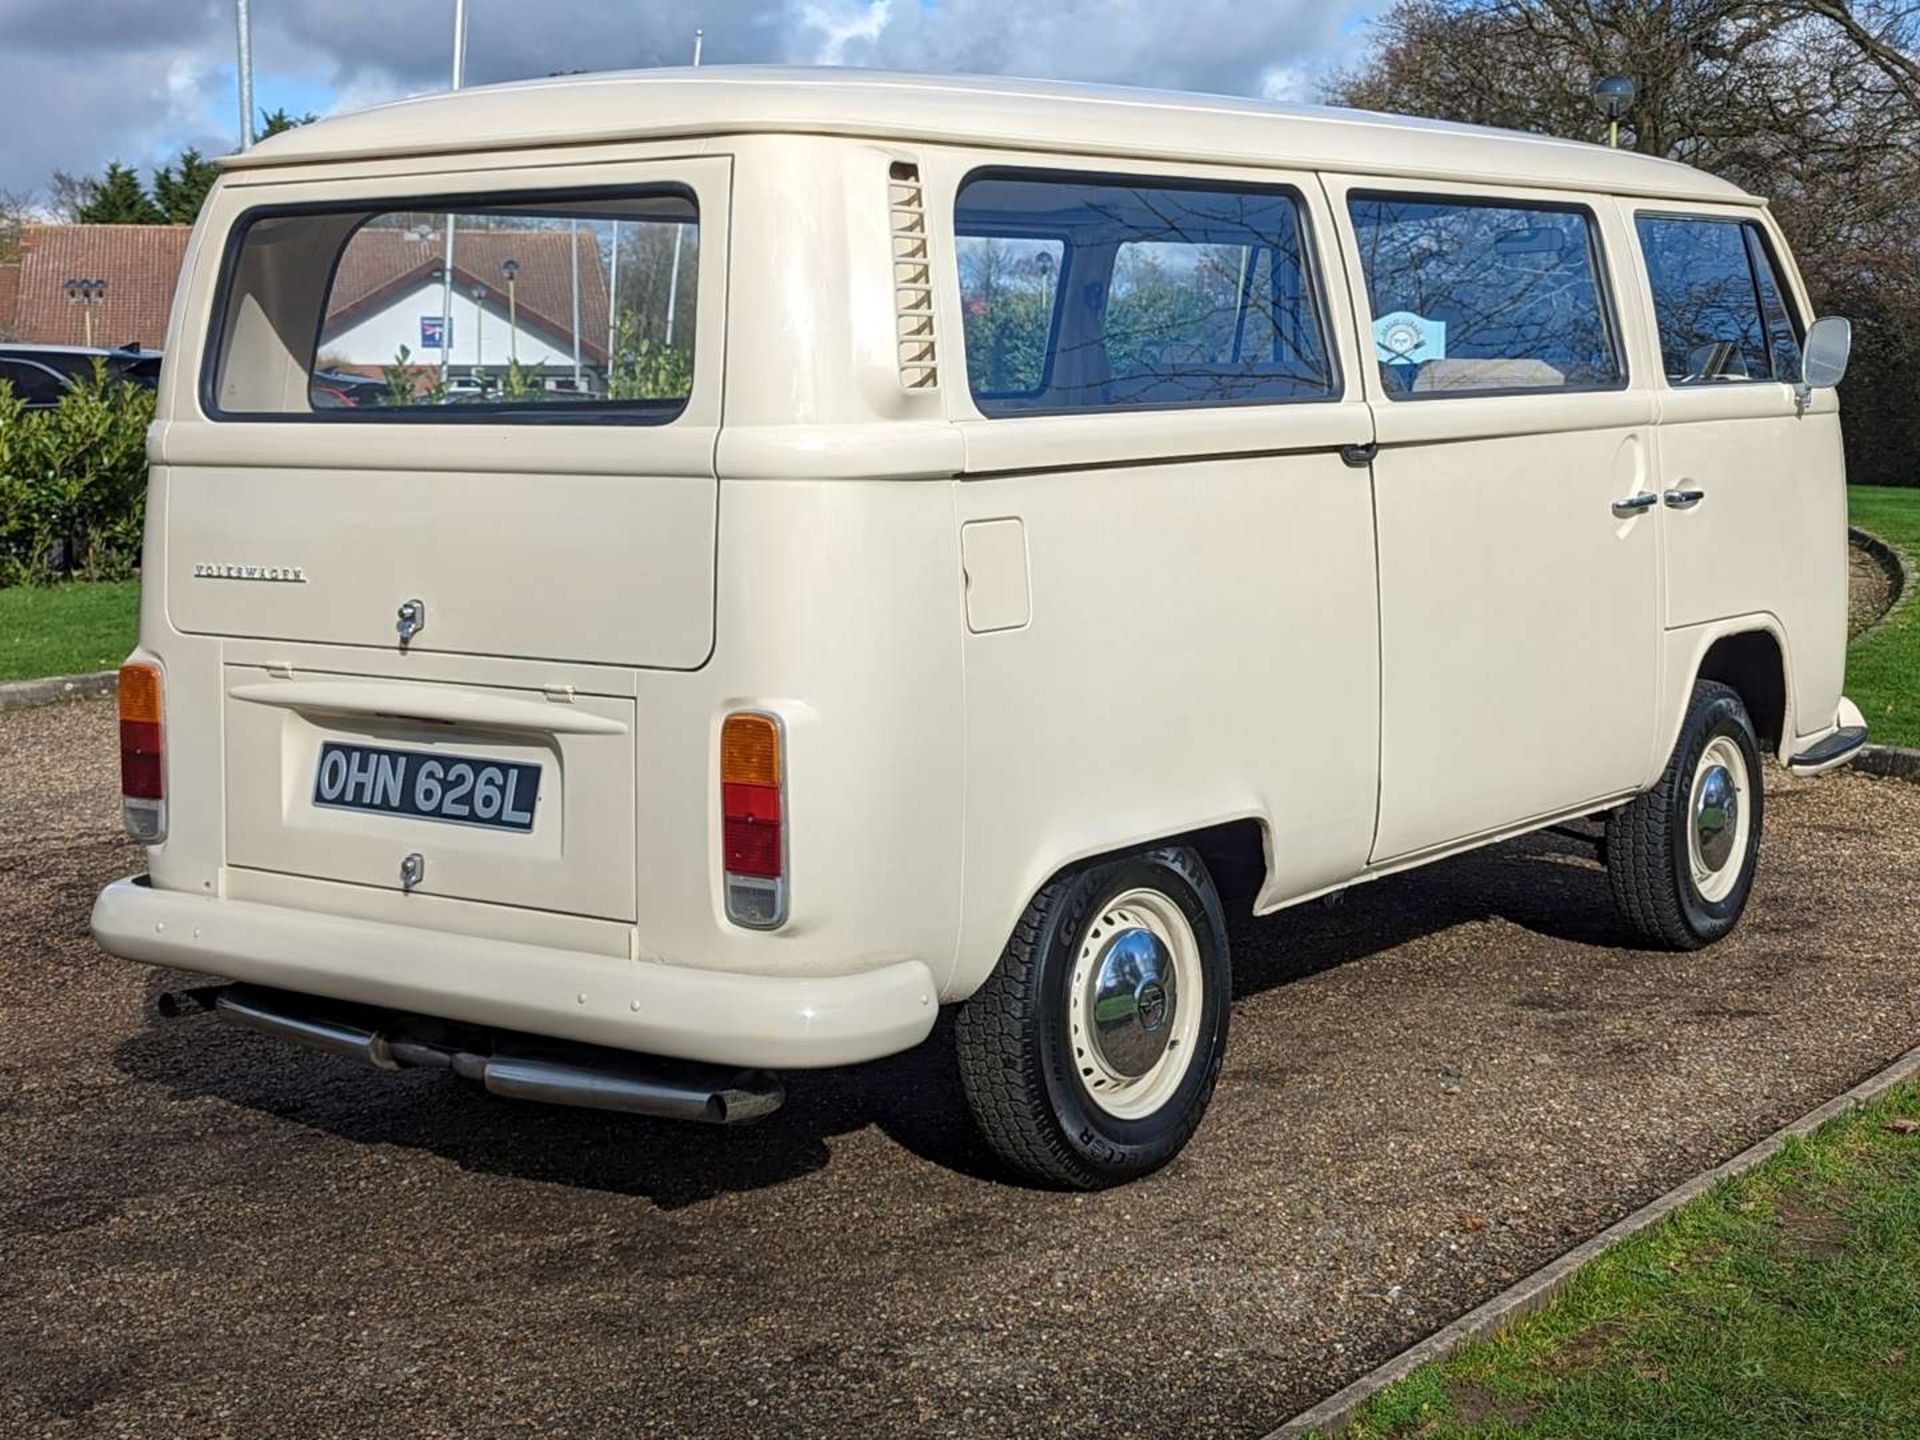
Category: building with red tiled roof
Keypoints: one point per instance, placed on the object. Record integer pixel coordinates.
(140, 264)
(387, 292)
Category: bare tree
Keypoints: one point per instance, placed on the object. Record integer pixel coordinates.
(68, 194)
(16, 209)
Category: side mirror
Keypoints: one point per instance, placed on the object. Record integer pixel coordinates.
(1823, 358)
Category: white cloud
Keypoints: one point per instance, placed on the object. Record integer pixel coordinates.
(1217, 45)
(841, 22)
(92, 80)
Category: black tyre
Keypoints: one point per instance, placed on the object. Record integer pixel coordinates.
(1681, 858)
(1090, 1054)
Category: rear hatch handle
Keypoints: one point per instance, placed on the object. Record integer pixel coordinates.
(412, 701)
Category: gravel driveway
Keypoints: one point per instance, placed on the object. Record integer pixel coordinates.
(1431, 1089)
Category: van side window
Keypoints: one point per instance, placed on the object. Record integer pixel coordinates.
(1471, 297)
(573, 308)
(1717, 301)
(1101, 293)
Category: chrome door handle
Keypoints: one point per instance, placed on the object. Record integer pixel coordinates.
(1683, 499)
(1635, 504)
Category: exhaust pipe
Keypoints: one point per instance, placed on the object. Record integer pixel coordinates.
(347, 1041)
(584, 1076)
(557, 1083)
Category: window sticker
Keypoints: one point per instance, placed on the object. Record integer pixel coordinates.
(1404, 338)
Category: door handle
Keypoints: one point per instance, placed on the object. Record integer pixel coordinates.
(412, 619)
(1683, 499)
(1635, 504)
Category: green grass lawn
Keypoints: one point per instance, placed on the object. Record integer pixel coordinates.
(67, 629)
(1783, 1304)
(1883, 670)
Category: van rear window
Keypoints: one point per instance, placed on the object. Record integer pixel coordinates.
(1088, 293)
(1475, 297)
(569, 308)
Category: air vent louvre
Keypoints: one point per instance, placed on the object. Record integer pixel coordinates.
(912, 279)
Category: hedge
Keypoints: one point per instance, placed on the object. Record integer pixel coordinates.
(73, 482)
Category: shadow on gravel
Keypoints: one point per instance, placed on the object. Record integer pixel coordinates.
(1547, 884)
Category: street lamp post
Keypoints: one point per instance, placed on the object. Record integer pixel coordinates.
(479, 293)
(1613, 95)
(573, 260)
(511, 269)
(613, 295)
(86, 294)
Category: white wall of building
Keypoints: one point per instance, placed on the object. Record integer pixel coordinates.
(377, 337)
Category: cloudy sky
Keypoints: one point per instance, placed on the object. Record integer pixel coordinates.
(88, 81)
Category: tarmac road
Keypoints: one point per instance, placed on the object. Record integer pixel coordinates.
(1430, 1090)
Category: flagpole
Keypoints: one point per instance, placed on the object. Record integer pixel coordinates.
(243, 40)
(680, 230)
(446, 265)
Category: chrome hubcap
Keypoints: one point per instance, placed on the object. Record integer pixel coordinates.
(1719, 819)
(1135, 1003)
(1132, 1002)
(1716, 816)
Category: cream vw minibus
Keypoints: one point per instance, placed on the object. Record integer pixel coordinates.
(654, 581)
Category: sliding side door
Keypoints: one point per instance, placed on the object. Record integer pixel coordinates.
(1512, 489)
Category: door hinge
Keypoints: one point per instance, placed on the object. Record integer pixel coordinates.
(1360, 456)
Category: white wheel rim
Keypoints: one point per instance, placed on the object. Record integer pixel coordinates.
(1135, 1003)
(1719, 819)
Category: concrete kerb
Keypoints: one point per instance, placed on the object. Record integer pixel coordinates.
(21, 693)
(1899, 571)
(1894, 761)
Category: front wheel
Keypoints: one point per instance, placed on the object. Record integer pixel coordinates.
(1681, 858)
(1090, 1054)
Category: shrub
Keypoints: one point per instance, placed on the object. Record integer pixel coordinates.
(73, 482)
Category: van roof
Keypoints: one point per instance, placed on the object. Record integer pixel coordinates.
(970, 109)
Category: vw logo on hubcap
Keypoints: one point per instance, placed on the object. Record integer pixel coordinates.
(1150, 1004)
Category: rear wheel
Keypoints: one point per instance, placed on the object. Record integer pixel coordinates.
(1090, 1054)
(1681, 858)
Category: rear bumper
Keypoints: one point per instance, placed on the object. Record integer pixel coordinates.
(755, 1021)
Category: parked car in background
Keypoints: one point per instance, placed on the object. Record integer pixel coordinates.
(34, 381)
(1052, 517)
(342, 390)
(44, 373)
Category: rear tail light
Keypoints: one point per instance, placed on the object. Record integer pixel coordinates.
(753, 821)
(143, 791)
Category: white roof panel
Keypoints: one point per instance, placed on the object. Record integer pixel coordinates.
(970, 109)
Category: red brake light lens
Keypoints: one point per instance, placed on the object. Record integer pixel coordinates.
(140, 776)
(751, 816)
